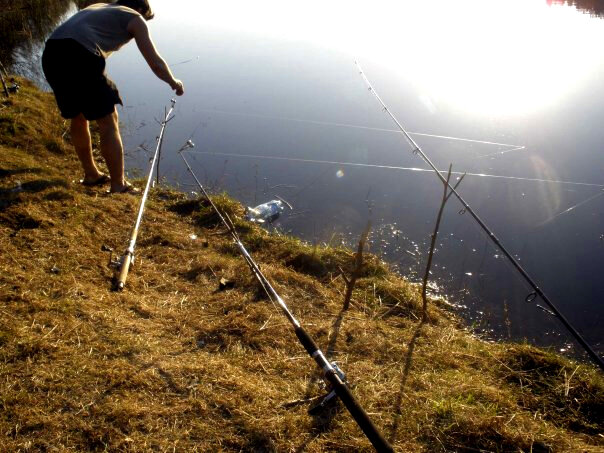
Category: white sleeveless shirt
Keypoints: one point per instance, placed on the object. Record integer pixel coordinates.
(101, 28)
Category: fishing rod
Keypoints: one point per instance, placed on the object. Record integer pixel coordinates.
(331, 372)
(537, 292)
(128, 257)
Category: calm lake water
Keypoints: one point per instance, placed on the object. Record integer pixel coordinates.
(276, 106)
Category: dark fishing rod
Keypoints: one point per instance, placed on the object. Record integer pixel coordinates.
(331, 372)
(128, 256)
(537, 292)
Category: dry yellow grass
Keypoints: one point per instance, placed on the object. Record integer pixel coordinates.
(173, 364)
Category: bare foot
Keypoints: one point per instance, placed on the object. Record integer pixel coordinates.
(125, 188)
(98, 181)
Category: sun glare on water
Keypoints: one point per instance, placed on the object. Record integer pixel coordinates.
(481, 56)
(499, 57)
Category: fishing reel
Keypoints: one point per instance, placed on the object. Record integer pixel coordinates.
(187, 145)
(114, 263)
(330, 398)
(14, 88)
(120, 267)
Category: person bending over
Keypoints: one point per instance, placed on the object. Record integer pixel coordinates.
(74, 65)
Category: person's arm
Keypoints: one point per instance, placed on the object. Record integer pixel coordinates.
(137, 27)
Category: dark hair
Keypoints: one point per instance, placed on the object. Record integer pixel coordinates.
(142, 6)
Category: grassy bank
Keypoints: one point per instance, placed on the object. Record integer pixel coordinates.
(176, 364)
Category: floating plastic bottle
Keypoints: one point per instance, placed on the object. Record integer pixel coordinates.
(266, 212)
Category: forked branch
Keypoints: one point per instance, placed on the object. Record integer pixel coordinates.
(446, 195)
(358, 267)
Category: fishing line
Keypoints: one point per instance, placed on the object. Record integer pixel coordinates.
(331, 373)
(183, 62)
(311, 183)
(572, 208)
(195, 130)
(354, 126)
(394, 167)
(500, 153)
(466, 208)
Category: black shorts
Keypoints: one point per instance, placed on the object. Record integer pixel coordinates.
(78, 79)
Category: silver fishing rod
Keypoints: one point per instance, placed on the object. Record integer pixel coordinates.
(331, 372)
(128, 257)
(537, 292)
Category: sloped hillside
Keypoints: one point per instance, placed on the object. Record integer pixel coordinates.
(175, 363)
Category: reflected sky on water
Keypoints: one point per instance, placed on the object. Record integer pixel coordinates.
(276, 106)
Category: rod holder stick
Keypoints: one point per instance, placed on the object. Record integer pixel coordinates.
(417, 150)
(4, 85)
(5, 88)
(128, 256)
(357, 412)
(160, 140)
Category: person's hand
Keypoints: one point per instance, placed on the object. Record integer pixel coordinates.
(178, 87)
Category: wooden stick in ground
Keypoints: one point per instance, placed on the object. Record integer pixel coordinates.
(446, 196)
(358, 269)
(3, 81)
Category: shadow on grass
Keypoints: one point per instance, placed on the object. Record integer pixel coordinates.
(335, 331)
(36, 186)
(4, 173)
(12, 196)
(447, 192)
(302, 448)
(407, 368)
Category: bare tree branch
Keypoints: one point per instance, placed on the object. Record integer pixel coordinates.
(358, 269)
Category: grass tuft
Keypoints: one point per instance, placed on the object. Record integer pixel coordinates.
(569, 394)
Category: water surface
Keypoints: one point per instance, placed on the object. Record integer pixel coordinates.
(276, 106)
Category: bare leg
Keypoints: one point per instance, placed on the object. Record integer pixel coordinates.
(80, 137)
(112, 150)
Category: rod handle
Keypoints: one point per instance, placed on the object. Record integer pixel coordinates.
(358, 413)
(123, 274)
(307, 341)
